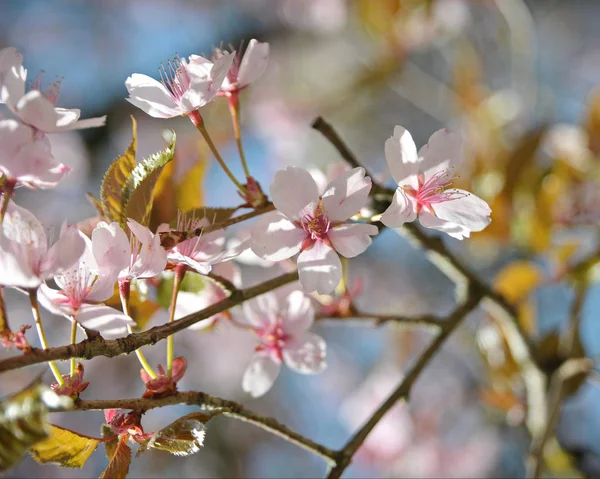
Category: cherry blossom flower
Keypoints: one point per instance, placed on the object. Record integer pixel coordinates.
(163, 385)
(26, 159)
(36, 108)
(314, 225)
(25, 257)
(246, 68)
(282, 332)
(425, 186)
(201, 252)
(185, 86)
(140, 256)
(83, 287)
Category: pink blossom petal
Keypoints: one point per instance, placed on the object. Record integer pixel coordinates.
(254, 63)
(110, 247)
(15, 269)
(151, 96)
(262, 311)
(66, 117)
(443, 151)
(298, 314)
(274, 237)
(64, 253)
(294, 192)
(346, 195)
(320, 268)
(54, 301)
(429, 220)
(401, 157)
(306, 355)
(36, 110)
(468, 211)
(12, 76)
(108, 321)
(260, 375)
(401, 210)
(220, 68)
(103, 287)
(350, 240)
(86, 123)
(198, 266)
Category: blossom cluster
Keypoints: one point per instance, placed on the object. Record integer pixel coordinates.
(319, 224)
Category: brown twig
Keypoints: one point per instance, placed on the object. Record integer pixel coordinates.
(380, 319)
(473, 297)
(206, 401)
(110, 348)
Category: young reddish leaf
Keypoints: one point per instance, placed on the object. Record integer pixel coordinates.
(115, 179)
(183, 437)
(65, 448)
(138, 191)
(118, 467)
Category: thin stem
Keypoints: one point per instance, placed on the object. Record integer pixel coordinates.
(199, 124)
(180, 270)
(234, 110)
(73, 341)
(3, 316)
(124, 289)
(35, 310)
(6, 188)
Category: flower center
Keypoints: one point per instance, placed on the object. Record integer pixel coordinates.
(174, 77)
(316, 224)
(436, 189)
(76, 284)
(273, 339)
(52, 91)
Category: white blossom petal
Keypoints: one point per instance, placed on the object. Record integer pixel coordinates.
(298, 313)
(262, 311)
(275, 237)
(151, 96)
(319, 268)
(346, 195)
(443, 151)
(36, 110)
(260, 375)
(12, 76)
(294, 192)
(402, 210)
(468, 211)
(350, 240)
(64, 253)
(306, 354)
(110, 322)
(254, 63)
(401, 157)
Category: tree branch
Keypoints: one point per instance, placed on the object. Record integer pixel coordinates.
(473, 298)
(100, 347)
(206, 401)
(380, 319)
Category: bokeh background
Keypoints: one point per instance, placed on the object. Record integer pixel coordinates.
(502, 72)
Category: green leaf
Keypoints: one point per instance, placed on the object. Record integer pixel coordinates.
(110, 446)
(24, 421)
(118, 467)
(138, 192)
(183, 437)
(65, 448)
(116, 178)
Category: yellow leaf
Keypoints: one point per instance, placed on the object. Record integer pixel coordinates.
(378, 17)
(64, 448)
(164, 209)
(188, 191)
(592, 122)
(118, 467)
(24, 421)
(515, 282)
(138, 193)
(116, 177)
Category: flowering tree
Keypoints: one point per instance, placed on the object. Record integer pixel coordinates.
(92, 276)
